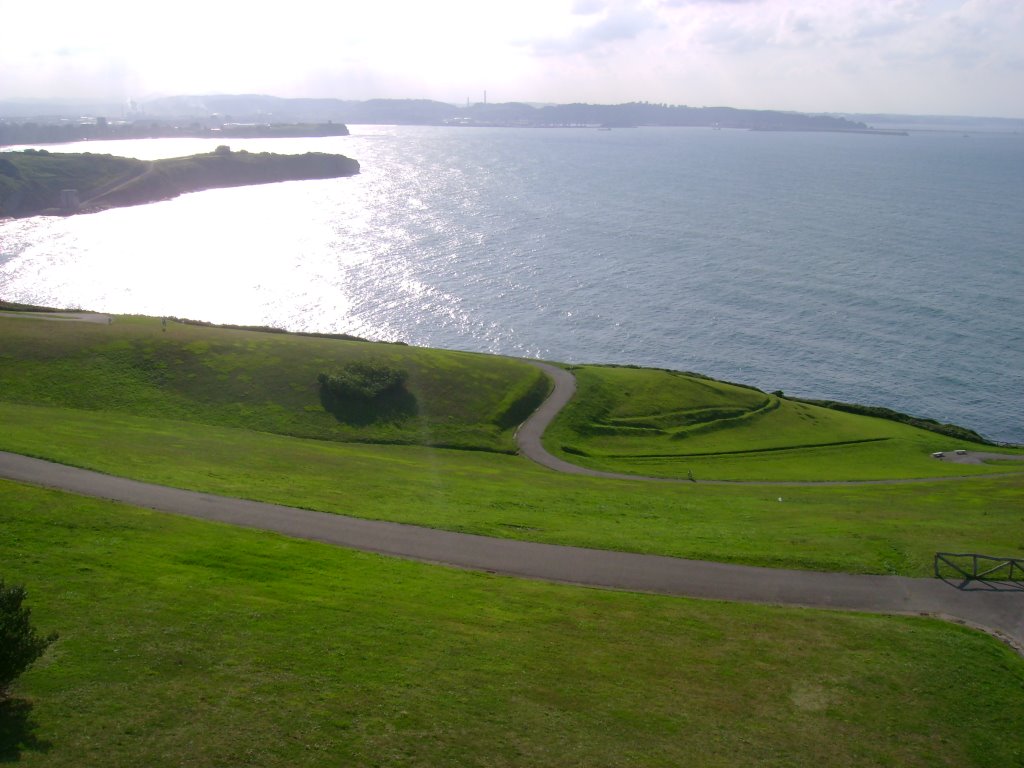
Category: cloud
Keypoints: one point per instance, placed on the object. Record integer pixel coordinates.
(682, 3)
(618, 24)
(841, 55)
(587, 7)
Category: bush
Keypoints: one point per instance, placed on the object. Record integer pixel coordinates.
(363, 381)
(20, 644)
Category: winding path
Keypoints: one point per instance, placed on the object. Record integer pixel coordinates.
(528, 439)
(998, 609)
(995, 608)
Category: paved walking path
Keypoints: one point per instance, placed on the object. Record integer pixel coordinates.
(996, 608)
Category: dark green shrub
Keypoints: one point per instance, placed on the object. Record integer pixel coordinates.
(20, 644)
(363, 381)
(367, 393)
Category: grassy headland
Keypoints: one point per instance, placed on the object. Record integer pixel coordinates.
(672, 424)
(31, 181)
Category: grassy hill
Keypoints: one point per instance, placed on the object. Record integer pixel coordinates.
(228, 411)
(671, 424)
(31, 181)
(185, 642)
(264, 381)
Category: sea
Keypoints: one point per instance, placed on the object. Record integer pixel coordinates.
(878, 269)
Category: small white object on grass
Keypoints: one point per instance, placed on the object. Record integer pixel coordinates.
(780, 498)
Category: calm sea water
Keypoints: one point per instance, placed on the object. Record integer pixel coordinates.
(882, 270)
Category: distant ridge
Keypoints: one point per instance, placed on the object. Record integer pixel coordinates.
(259, 108)
(220, 111)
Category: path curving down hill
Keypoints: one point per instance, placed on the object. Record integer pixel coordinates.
(995, 608)
(529, 434)
(998, 609)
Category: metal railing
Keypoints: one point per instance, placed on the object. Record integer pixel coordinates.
(974, 567)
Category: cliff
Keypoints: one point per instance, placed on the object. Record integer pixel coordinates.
(32, 182)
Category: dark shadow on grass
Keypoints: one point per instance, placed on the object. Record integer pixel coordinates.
(393, 405)
(17, 731)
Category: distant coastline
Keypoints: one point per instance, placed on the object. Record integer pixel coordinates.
(57, 130)
(249, 116)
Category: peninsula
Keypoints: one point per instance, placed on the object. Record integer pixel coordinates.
(37, 182)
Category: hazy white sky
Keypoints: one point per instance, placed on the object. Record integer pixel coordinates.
(960, 57)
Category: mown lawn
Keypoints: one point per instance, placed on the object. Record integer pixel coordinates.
(189, 643)
(891, 528)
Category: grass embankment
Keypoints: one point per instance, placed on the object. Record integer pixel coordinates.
(888, 529)
(193, 407)
(261, 381)
(184, 642)
(31, 181)
(669, 424)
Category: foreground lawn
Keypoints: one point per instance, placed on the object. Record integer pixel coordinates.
(893, 528)
(188, 643)
(668, 424)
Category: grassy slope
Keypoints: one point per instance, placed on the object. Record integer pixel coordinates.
(187, 643)
(150, 392)
(869, 528)
(259, 381)
(653, 422)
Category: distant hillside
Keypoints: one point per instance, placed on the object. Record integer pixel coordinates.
(230, 113)
(31, 182)
(255, 108)
(59, 131)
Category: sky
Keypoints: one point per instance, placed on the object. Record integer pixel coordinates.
(939, 57)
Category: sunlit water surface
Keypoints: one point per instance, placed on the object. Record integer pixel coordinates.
(884, 270)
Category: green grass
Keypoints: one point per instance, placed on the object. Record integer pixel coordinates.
(261, 381)
(220, 410)
(668, 424)
(188, 643)
(639, 421)
(893, 528)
